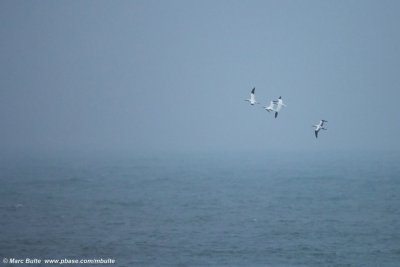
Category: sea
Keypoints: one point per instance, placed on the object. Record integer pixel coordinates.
(202, 209)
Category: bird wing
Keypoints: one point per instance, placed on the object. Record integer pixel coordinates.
(252, 98)
(268, 108)
(271, 106)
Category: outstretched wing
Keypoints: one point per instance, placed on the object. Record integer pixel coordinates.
(271, 106)
(252, 98)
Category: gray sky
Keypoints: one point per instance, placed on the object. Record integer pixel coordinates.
(172, 75)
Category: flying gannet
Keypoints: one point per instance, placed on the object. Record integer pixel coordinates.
(275, 105)
(318, 127)
(279, 105)
(252, 98)
(271, 107)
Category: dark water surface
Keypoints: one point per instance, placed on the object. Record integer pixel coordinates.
(338, 209)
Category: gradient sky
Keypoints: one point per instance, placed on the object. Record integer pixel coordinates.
(172, 75)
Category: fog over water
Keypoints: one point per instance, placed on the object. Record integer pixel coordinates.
(172, 75)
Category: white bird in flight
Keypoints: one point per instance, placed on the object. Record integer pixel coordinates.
(252, 98)
(271, 107)
(275, 105)
(279, 106)
(319, 127)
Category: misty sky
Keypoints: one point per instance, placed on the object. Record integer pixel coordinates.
(172, 75)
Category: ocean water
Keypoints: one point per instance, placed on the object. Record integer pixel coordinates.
(287, 209)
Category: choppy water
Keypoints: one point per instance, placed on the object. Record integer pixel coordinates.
(204, 210)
